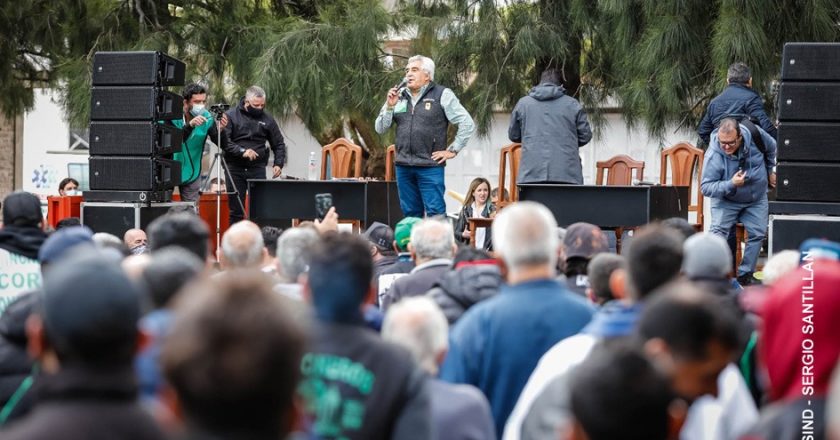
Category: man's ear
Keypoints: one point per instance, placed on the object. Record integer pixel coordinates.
(749, 82)
(370, 296)
(677, 413)
(657, 351)
(572, 430)
(303, 279)
(618, 284)
(396, 248)
(36, 340)
(590, 295)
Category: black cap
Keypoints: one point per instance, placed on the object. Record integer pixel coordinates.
(21, 208)
(381, 235)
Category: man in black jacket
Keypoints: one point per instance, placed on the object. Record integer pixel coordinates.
(246, 154)
(21, 238)
(356, 386)
(84, 335)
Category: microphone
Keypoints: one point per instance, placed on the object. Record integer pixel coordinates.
(402, 84)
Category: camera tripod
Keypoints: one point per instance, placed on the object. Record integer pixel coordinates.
(218, 164)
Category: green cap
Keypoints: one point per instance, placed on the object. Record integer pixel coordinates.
(402, 233)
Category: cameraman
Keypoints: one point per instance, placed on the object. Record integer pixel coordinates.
(246, 153)
(198, 124)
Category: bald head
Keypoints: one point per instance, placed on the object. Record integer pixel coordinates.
(134, 238)
(525, 235)
(242, 246)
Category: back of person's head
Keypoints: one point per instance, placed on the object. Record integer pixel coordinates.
(551, 76)
(680, 225)
(525, 234)
(242, 246)
(181, 229)
(68, 222)
(738, 73)
(381, 237)
(654, 258)
(270, 234)
(233, 357)
(22, 209)
(617, 393)
(418, 324)
(799, 329)
(706, 256)
(432, 238)
(778, 265)
(340, 271)
(696, 331)
(111, 244)
(469, 254)
(59, 244)
(294, 248)
(599, 272)
(89, 310)
(168, 272)
(581, 242)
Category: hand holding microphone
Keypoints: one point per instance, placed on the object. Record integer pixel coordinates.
(394, 93)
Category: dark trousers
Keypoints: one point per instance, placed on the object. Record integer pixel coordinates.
(239, 176)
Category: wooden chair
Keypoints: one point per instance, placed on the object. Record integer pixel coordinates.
(619, 170)
(340, 155)
(510, 156)
(390, 163)
(686, 163)
(475, 224)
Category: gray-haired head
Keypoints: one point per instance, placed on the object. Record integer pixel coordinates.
(242, 246)
(432, 238)
(293, 251)
(780, 264)
(418, 324)
(426, 64)
(738, 73)
(254, 92)
(728, 125)
(525, 234)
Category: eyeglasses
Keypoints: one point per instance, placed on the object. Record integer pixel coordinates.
(730, 144)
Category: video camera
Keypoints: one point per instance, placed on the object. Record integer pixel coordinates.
(219, 109)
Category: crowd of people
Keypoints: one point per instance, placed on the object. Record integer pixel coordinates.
(409, 333)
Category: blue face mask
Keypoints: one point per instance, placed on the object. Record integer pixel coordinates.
(197, 109)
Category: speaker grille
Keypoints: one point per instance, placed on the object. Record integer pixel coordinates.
(134, 139)
(137, 68)
(809, 102)
(133, 173)
(808, 182)
(811, 62)
(134, 103)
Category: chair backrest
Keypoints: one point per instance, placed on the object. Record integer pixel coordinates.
(390, 167)
(686, 164)
(339, 156)
(510, 157)
(619, 170)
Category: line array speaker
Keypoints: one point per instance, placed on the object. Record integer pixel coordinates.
(133, 173)
(808, 182)
(143, 138)
(811, 62)
(809, 141)
(807, 101)
(137, 68)
(134, 104)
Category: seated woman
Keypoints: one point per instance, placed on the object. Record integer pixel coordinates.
(68, 187)
(476, 204)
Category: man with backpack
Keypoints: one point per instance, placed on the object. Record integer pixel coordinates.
(737, 100)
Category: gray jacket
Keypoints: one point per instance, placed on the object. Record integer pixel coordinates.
(551, 127)
(460, 412)
(421, 279)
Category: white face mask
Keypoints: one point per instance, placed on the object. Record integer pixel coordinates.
(197, 109)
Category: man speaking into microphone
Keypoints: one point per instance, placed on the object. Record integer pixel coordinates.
(423, 111)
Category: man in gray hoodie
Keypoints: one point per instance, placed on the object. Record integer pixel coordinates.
(551, 126)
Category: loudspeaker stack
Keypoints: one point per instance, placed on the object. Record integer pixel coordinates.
(808, 170)
(131, 144)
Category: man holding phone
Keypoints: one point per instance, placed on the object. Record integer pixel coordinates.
(736, 175)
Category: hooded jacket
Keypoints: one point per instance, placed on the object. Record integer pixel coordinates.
(463, 288)
(246, 130)
(719, 167)
(551, 127)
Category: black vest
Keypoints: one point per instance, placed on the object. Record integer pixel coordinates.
(421, 129)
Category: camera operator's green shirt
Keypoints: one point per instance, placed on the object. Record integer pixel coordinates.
(192, 148)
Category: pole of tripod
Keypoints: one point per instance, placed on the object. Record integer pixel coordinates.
(218, 191)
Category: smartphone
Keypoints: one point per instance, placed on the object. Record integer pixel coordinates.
(323, 203)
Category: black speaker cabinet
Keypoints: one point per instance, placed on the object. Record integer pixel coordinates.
(116, 218)
(789, 231)
(809, 141)
(134, 138)
(133, 173)
(811, 62)
(134, 103)
(137, 69)
(808, 182)
(804, 101)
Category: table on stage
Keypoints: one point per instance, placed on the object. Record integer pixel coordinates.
(609, 207)
(278, 202)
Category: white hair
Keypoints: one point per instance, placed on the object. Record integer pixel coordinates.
(418, 324)
(525, 234)
(426, 64)
(433, 238)
(780, 264)
(254, 92)
(293, 249)
(103, 239)
(242, 245)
